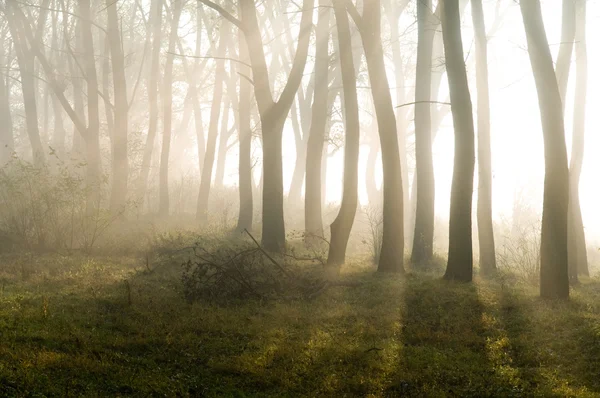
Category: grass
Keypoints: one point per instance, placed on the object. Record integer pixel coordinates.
(72, 326)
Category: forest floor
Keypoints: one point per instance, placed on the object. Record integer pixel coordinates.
(80, 326)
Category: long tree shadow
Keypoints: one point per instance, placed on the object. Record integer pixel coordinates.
(445, 343)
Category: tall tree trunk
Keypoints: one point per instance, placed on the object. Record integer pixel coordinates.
(25, 61)
(313, 213)
(392, 247)
(565, 51)
(7, 141)
(578, 262)
(163, 198)
(225, 134)
(213, 128)
(246, 212)
(120, 164)
(485, 228)
(422, 250)
(342, 225)
(152, 84)
(554, 277)
(460, 251)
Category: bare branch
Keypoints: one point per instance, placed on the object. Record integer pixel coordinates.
(223, 13)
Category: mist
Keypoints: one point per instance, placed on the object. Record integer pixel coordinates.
(325, 197)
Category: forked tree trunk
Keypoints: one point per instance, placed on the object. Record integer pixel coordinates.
(485, 228)
(460, 251)
(422, 249)
(342, 225)
(163, 196)
(578, 262)
(313, 213)
(554, 277)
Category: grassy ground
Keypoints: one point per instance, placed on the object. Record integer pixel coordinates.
(108, 327)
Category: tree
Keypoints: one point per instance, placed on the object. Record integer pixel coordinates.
(485, 229)
(120, 164)
(163, 204)
(460, 251)
(554, 278)
(422, 249)
(342, 225)
(578, 263)
(391, 258)
(316, 139)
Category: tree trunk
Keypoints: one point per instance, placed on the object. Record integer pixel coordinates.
(213, 128)
(422, 250)
(246, 212)
(163, 198)
(342, 225)
(152, 84)
(554, 278)
(485, 228)
(460, 251)
(313, 212)
(120, 164)
(578, 262)
(223, 140)
(565, 51)
(392, 247)
(7, 141)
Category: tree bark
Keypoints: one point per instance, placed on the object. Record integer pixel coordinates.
(485, 228)
(313, 212)
(460, 251)
(554, 278)
(7, 141)
(163, 199)
(342, 225)
(422, 249)
(565, 51)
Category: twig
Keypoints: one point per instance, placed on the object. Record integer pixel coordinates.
(286, 272)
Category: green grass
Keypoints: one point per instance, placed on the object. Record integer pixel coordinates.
(73, 327)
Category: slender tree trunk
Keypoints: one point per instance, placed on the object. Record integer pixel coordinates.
(163, 198)
(565, 51)
(422, 250)
(485, 228)
(7, 141)
(246, 212)
(152, 84)
(313, 213)
(342, 225)
(554, 278)
(120, 164)
(213, 128)
(225, 134)
(460, 252)
(578, 262)
(392, 248)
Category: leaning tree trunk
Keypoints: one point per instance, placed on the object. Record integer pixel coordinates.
(554, 277)
(460, 251)
(422, 249)
(163, 197)
(213, 127)
(391, 258)
(342, 225)
(120, 165)
(578, 262)
(313, 213)
(485, 229)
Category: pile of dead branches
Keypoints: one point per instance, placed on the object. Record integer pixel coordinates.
(246, 271)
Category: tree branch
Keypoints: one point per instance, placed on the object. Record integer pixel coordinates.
(228, 16)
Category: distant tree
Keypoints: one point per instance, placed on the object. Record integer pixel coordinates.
(7, 141)
(487, 249)
(554, 278)
(578, 262)
(460, 251)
